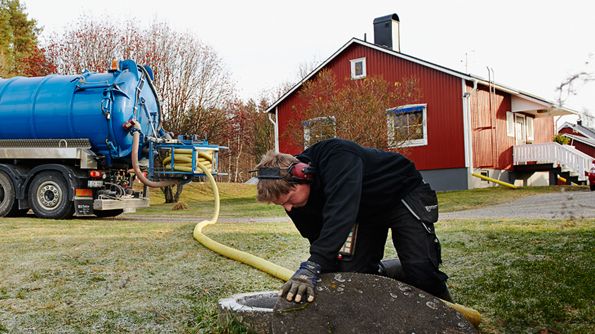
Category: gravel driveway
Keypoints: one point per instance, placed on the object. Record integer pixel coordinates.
(562, 205)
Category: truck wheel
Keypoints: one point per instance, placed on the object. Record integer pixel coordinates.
(48, 196)
(108, 213)
(7, 195)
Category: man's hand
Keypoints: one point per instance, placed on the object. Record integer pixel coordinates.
(302, 284)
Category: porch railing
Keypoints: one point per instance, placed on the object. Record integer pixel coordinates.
(564, 156)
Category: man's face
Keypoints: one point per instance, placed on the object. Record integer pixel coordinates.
(296, 198)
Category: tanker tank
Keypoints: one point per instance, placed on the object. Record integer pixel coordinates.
(91, 106)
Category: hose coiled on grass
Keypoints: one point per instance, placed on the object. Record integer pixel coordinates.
(183, 160)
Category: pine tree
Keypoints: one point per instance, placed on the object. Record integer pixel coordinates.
(19, 51)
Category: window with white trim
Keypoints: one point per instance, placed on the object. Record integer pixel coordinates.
(407, 125)
(509, 124)
(358, 68)
(318, 129)
(530, 130)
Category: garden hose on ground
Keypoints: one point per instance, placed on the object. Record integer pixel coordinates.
(234, 254)
(268, 267)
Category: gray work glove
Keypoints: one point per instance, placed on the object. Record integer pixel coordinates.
(302, 284)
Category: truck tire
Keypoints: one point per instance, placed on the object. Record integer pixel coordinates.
(7, 195)
(108, 213)
(48, 196)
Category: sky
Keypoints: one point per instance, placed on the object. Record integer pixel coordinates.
(531, 45)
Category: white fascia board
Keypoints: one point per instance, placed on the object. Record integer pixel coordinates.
(521, 104)
(537, 108)
(583, 140)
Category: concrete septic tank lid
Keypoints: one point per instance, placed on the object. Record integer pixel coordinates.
(360, 303)
(254, 310)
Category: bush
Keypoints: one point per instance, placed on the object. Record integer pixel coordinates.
(561, 139)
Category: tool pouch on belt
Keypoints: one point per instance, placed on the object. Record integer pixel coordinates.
(422, 203)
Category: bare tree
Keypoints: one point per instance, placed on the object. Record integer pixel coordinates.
(190, 77)
(571, 85)
(307, 67)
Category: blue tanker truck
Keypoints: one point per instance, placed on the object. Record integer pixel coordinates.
(75, 144)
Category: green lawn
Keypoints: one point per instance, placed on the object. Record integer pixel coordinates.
(105, 276)
(238, 200)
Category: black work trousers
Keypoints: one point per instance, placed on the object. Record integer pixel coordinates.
(416, 244)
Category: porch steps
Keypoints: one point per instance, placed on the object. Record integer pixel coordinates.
(570, 160)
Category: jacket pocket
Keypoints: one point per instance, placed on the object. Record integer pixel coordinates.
(422, 202)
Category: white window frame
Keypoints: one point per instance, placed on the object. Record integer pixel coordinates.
(390, 121)
(523, 129)
(530, 128)
(354, 76)
(509, 124)
(308, 123)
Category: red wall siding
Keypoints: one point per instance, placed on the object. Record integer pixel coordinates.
(483, 123)
(590, 150)
(441, 92)
(503, 149)
(566, 130)
(544, 130)
(492, 147)
(570, 131)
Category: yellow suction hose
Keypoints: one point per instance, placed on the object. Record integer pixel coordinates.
(268, 267)
(473, 316)
(183, 160)
(232, 253)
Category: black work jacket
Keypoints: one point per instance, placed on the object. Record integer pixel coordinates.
(352, 185)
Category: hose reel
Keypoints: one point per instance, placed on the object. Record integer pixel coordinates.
(183, 157)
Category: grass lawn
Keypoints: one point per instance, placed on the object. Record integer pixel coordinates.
(238, 200)
(88, 275)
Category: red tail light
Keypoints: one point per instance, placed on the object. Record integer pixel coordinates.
(96, 174)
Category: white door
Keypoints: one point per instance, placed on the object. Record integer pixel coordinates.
(520, 132)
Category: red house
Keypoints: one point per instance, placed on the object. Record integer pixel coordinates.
(465, 124)
(581, 137)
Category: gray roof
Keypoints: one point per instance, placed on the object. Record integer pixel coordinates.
(583, 130)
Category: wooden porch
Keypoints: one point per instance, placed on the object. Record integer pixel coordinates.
(568, 159)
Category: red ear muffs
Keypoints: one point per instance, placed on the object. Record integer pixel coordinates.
(301, 172)
(298, 172)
